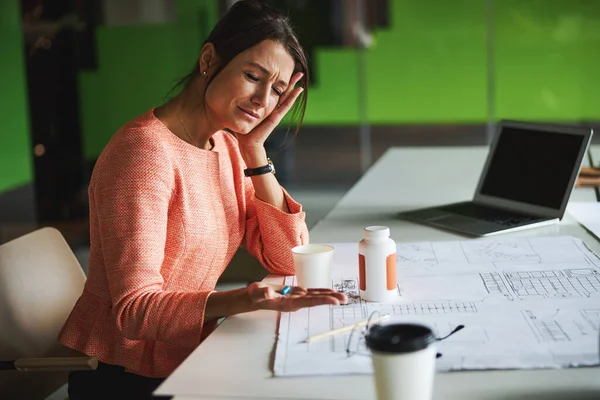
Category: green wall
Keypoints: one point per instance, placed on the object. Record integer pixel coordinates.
(548, 52)
(431, 65)
(15, 155)
(137, 68)
(428, 67)
(138, 65)
(425, 68)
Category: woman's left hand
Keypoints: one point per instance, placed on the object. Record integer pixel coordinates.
(255, 139)
(268, 297)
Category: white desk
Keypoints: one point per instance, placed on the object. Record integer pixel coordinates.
(235, 361)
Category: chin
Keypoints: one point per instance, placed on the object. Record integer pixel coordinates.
(241, 131)
(241, 128)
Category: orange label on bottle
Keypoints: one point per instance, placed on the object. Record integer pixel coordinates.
(391, 272)
(362, 275)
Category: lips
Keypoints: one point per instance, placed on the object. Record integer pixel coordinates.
(249, 112)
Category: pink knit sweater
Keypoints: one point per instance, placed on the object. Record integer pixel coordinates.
(165, 220)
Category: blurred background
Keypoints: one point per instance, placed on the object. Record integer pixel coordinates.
(385, 73)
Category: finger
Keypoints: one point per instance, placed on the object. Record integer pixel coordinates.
(269, 124)
(264, 293)
(330, 292)
(298, 291)
(295, 79)
(285, 106)
(321, 290)
(341, 297)
(325, 292)
(310, 301)
(271, 293)
(255, 291)
(295, 290)
(277, 288)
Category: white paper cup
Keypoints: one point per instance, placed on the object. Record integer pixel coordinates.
(313, 265)
(403, 361)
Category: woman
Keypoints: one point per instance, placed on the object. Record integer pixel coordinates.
(172, 197)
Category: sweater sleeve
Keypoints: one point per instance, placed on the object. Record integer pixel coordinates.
(131, 188)
(271, 233)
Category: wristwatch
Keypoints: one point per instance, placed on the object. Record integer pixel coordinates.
(261, 170)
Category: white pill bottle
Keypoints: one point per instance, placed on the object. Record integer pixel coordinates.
(377, 265)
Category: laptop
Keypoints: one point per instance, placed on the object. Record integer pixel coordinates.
(526, 182)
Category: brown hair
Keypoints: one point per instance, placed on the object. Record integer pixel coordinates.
(246, 24)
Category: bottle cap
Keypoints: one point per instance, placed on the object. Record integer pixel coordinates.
(399, 338)
(377, 232)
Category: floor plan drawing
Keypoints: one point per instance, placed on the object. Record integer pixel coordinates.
(561, 283)
(528, 303)
(592, 317)
(546, 329)
(495, 284)
(500, 250)
(565, 283)
(416, 253)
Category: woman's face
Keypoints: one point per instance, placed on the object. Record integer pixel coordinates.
(248, 89)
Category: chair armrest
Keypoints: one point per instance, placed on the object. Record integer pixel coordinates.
(51, 364)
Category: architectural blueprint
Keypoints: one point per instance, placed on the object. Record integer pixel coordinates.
(525, 303)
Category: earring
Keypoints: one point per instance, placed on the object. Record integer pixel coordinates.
(203, 72)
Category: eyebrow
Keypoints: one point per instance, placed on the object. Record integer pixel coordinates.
(266, 71)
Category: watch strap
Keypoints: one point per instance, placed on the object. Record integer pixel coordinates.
(265, 169)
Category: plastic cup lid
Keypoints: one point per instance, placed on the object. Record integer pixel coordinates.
(399, 338)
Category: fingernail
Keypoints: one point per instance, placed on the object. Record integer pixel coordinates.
(301, 90)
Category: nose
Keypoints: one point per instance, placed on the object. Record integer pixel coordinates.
(261, 97)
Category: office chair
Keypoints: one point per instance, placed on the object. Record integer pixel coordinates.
(40, 281)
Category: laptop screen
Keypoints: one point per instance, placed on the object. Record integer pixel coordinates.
(532, 166)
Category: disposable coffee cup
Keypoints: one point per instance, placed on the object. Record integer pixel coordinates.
(403, 361)
(313, 263)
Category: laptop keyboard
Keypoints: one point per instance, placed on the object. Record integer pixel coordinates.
(490, 214)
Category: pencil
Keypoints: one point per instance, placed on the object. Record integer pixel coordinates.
(343, 329)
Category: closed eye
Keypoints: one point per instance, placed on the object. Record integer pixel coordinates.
(252, 77)
(255, 78)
